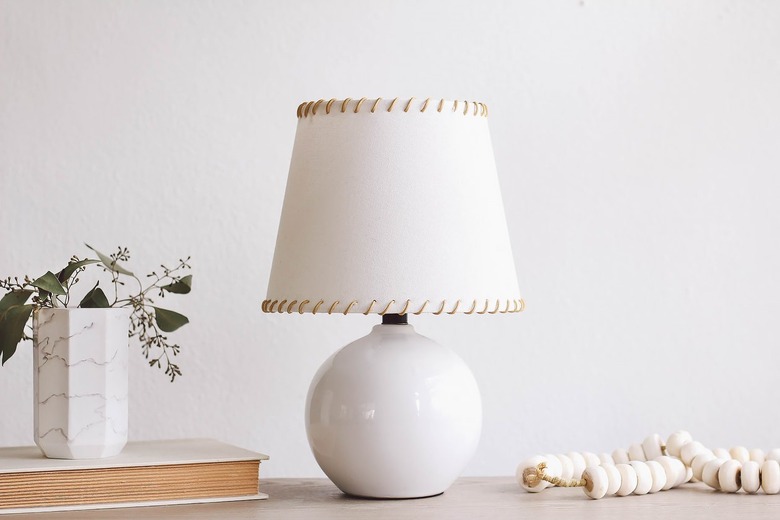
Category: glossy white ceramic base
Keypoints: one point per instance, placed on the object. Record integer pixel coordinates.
(80, 380)
(393, 415)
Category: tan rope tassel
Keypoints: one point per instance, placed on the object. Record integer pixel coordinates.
(532, 476)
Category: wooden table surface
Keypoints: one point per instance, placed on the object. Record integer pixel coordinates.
(469, 498)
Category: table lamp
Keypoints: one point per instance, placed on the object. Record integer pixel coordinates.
(393, 208)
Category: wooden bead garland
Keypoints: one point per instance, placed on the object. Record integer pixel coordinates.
(653, 466)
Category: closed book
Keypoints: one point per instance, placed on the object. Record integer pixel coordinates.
(146, 473)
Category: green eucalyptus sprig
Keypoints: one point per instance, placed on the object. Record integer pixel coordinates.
(148, 322)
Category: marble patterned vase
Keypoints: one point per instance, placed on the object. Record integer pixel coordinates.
(80, 380)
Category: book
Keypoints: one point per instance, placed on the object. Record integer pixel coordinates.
(148, 473)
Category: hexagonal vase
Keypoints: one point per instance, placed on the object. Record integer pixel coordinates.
(80, 379)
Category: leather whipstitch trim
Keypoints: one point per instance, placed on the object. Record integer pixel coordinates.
(290, 306)
(307, 108)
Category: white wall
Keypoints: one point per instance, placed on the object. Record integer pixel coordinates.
(638, 145)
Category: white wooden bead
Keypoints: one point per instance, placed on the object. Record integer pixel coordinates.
(620, 456)
(531, 464)
(554, 466)
(520, 474)
(773, 455)
(567, 467)
(591, 459)
(751, 476)
(614, 478)
(578, 463)
(682, 472)
(770, 477)
(652, 447)
(635, 452)
(644, 479)
(740, 453)
(596, 481)
(658, 474)
(690, 450)
(606, 458)
(709, 475)
(729, 476)
(675, 442)
(688, 475)
(628, 480)
(757, 455)
(721, 453)
(698, 462)
(672, 467)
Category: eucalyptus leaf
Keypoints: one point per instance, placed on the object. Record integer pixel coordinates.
(95, 299)
(71, 268)
(13, 298)
(108, 262)
(12, 323)
(43, 296)
(183, 286)
(168, 321)
(49, 282)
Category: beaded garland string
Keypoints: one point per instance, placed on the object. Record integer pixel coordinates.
(654, 466)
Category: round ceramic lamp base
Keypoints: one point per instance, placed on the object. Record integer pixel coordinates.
(393, 415)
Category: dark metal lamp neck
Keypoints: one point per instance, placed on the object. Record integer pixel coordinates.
(394, 319)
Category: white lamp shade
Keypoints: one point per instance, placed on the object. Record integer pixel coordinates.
(393, 207)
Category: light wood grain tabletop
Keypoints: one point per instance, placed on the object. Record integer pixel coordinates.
(469, 498)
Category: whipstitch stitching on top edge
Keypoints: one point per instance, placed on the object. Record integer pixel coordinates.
(310, 107)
